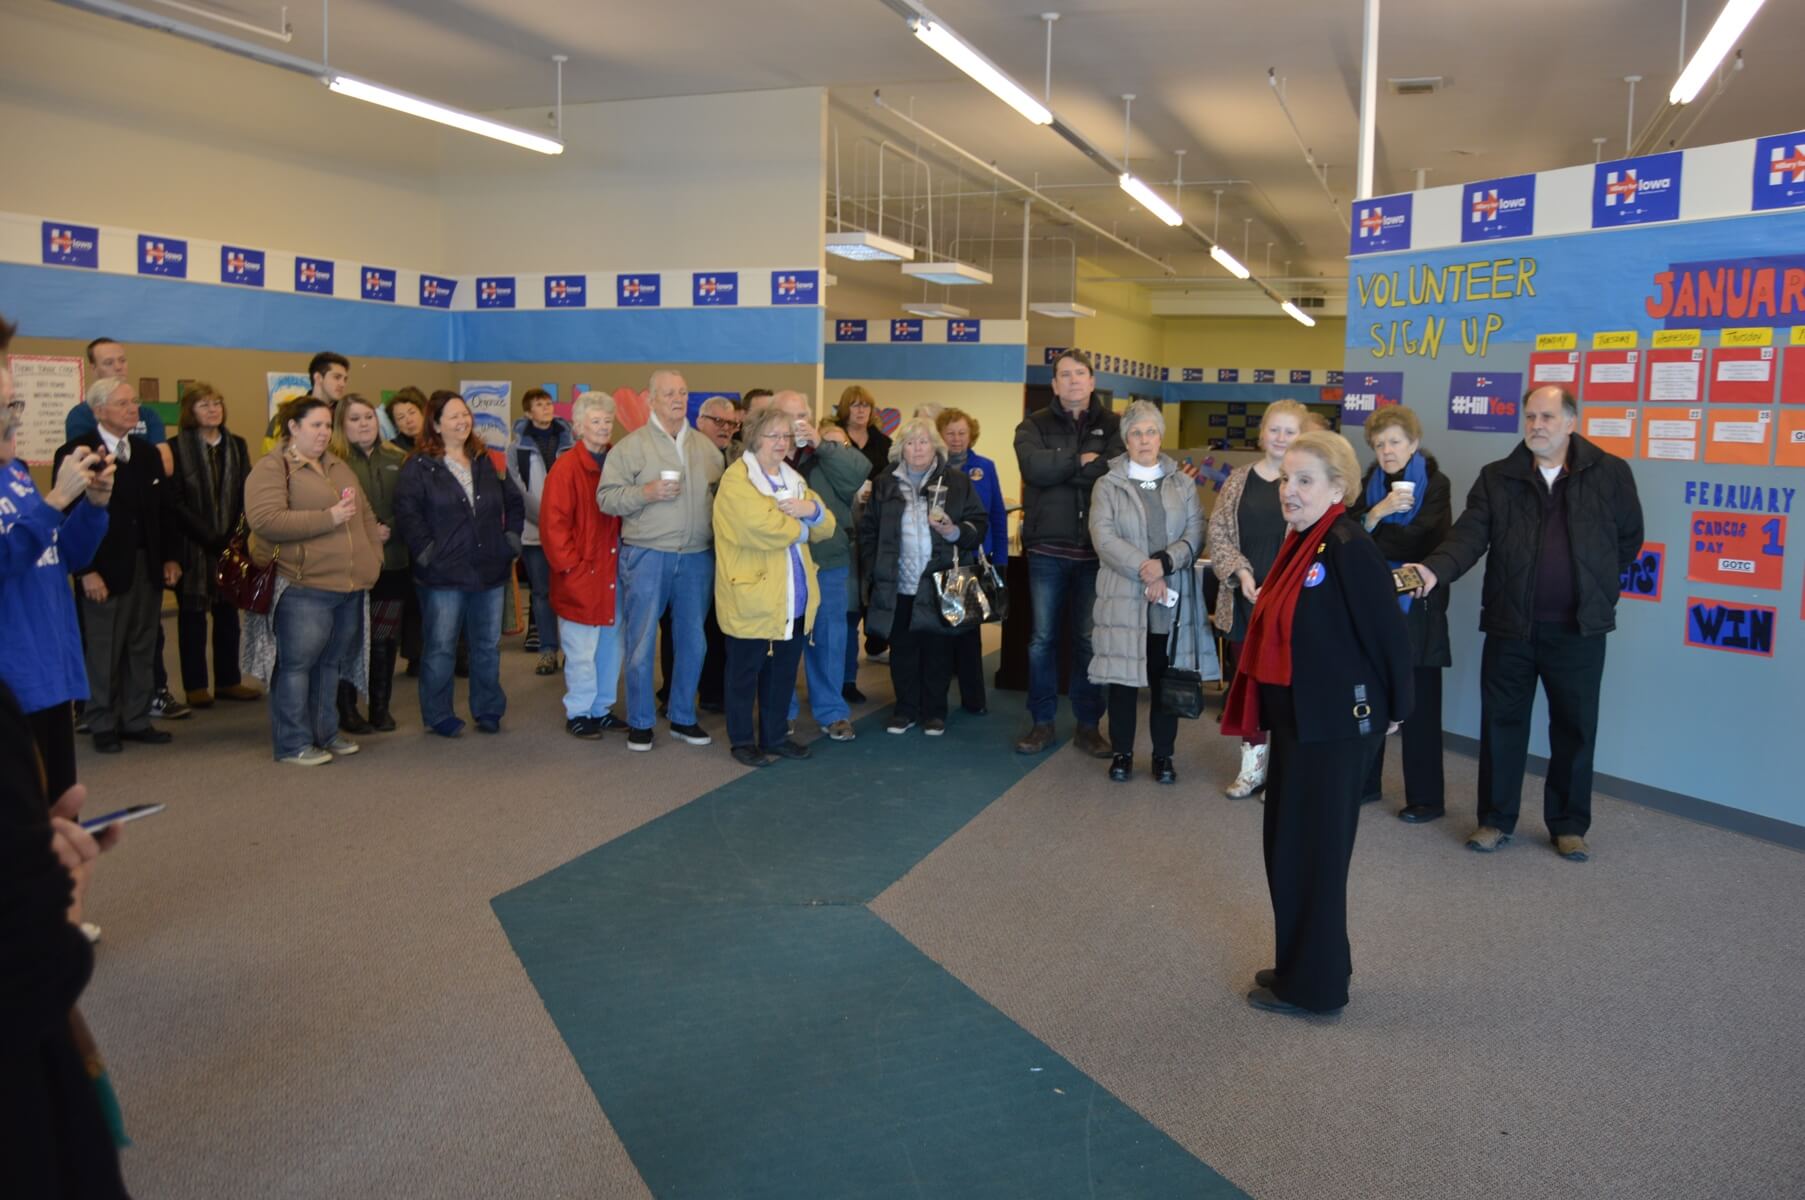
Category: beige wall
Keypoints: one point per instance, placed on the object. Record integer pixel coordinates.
(1276, 342)
(1124, 323)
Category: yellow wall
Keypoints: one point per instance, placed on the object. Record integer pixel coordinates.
(1276, 342)
(1124, 323)
(997, 407)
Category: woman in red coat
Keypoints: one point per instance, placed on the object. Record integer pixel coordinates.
(582, 546)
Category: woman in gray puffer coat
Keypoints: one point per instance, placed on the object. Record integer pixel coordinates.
(1147, 525)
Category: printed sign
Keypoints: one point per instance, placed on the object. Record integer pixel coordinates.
(313, 275)
(905, 331)
(566, 291)
(1190, 375)
(962, 331)
(495, 291)
(1053, 353)
(1671, 434)
(379, 284)
(1499, 208)
(636, 291)
(852, 331)
(1300, 377)
(1611, 377)
(1367, 392)
(1634, 191)
(49, 386)
(285, 386)
(491, 404)
(1789, 446)
(1381, 224)
(1780, 171)
(1483, 402)
(1642, 579)
(1610, 427)
(1333, 378)
(1733, 550)
(1676, 376)
(1557, 367)
(1228, 375)
(795, 287)
(436, 291)
(240, 265)
(68, 245)
(1265, 375)
(1743, 436)
(1742, 375)
(1726, 625)
(716, 289)
(162, 256)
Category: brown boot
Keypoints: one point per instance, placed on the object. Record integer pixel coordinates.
(200, 698)
(239, 691)
(1089, 740)
(1036, 739)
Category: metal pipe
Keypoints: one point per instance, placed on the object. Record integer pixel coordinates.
(194, 33)
(1027, 207)
(1317, 170)
(1369, 100)
(1629, 122)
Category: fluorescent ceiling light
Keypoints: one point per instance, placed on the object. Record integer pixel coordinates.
(868, 247)
(1229, 262)
(961, 54)
(1297, 314)
(1151, 200)
(928, 308)
(416, 106)
(1730, 23)
(1067, 309)
(947, 274)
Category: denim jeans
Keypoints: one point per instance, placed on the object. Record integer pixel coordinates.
(650, 582)
(443, 613)
(1054, 583)
(539, 578)
(591, 667)
(852, 646)
(316, 630)
(824, 657)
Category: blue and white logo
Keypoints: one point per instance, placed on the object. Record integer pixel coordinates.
(962, 331)
(241, 266)
(1381, 224)
(495, 291)
(566, 291)
(1484, 401)
(1499, 208)
(1780, 171)
(849, 331)
(636, 291)
(1053, 353)
(436, 291)
(905, 331)
(1332, 379)
(162, 256)
(1315, 575)
(716, 289)
(1368, 393)
(795, 287)
(313, 275)
(379, 284)
(1634, 191)
(1190, 375)
(1228, 375)
(71, 245)
(1263, 375)
(1300, 377)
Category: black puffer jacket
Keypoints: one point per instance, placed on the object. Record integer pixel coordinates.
(1056, 490)
(1504, 517)
(1427, 619)
(880, 537)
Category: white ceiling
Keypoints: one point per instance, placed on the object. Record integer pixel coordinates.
(1533, 82)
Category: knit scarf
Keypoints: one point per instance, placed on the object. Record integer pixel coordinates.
(1266, 654)
(1416, 471)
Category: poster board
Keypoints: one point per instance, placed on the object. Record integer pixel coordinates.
(1676, 376)
(1744, 436)
(1611, 377)
(50, 386)
(491, 404)
(1789, 441)
(1671, 434)
(1611, 427)
(1792, 373)
(1742, 375)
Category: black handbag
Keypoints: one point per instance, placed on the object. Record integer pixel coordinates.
(996, 592)
(946, 602)
(1180, 692)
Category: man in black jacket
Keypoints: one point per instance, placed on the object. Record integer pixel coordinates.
(122, 588)
(1063, 449)
(1561, 521)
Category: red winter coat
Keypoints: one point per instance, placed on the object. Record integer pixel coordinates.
(581, 542)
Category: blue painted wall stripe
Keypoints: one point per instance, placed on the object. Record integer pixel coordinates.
(690, 335)
(878, 360)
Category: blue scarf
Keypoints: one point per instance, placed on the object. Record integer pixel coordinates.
(1415, 471)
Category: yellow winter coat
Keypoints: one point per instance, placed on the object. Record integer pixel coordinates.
(753, 583)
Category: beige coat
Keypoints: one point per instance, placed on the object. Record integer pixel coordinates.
(1118, 526)
(288, 512)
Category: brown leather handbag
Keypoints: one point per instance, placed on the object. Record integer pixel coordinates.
(240, 581)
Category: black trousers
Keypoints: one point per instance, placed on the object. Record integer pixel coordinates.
(1424, 783)
(191, 643)
(765, 670)
(53, 729)
(1311, 815)
(968, 664)
(1124, 703)
(921, 666)
(1570, 666)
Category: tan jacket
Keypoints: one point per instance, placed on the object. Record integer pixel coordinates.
(289, 519)
(680, 526)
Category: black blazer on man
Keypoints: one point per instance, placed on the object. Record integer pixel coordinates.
(140, 516)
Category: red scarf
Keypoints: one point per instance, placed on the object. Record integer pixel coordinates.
(1266, 654)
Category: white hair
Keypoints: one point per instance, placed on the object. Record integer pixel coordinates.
(588, 401)
(101, 390)
(1142, 411)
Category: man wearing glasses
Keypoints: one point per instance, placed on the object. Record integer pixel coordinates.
(719, 421)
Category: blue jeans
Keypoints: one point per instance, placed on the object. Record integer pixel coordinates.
(824, 657)
(650, 582)
(539, 578)
(443, 612)
(591, 667)
(315, 631)
(1054, 583)
(852, 646)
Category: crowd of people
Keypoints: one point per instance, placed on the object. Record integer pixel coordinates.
(752, 543)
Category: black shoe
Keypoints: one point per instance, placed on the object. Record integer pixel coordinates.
(1265, 999)
(587, 728)
(789, 748)
(1121, 768)
(750, 756)
(1417, 814)
(639, 739)
(108, 743)
(695, 735)
(349, 719)
(382, 721)
(610, 723)
(1265, 978)
(933, 726)
(488, 724)
(851, 694)
(150, 735)
(1162, 770)
(976, 712)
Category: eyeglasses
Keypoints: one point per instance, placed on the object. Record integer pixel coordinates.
(723, 422)
(780, 435)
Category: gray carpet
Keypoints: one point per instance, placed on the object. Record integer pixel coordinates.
(303, 991)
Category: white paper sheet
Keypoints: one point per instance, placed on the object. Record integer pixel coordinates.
(1684, 431)
(1673, 381)
(1746, 432)
(1553, 372)
(1745, 370)
(1609, 427)
(1672, 448)
(1610, 372)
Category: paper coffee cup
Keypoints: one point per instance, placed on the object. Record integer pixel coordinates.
(1405, 486)
(670, 476)
(780, 493)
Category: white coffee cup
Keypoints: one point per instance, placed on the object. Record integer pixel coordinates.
(1405, 486)
(780, 492)
(670, 476)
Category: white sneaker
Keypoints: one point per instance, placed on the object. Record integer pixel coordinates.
(341, 746)
(1252, 778)
(91, 931)
(313, 756)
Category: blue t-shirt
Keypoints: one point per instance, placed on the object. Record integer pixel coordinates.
(39, 546)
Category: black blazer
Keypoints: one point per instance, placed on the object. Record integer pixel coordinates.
(1412, 542)
(140, 516)
(1350, 654)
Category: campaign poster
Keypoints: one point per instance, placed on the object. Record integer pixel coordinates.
(1737, 550)
(49, 386)
(491, 404)
(1484, 401)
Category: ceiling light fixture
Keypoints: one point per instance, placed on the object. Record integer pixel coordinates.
(946, 274)
(1229, 262)
(347, 85)
(962, 54)
(1297, 314)
(930, 308)
(868, 247)
(1067, 310)
(1150, 199)
(1729, 26)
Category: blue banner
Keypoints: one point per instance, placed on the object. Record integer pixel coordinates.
(1369, 391)
(436, 291)
(1499, 208)
(1780, 171)
(849, 331)
(1300, 377)
(313, 275)
(962, 331)
(495, 291)
(566, 291)
(1190, 375)
(162, 256)
(715, 289)
(1228, 375)
(379, 284)
(905, 331)
(795, 287)
(241, 266)
(637, 291)
(1381, 224)
(1634, 191)
(71, 245)
(1483, 402)
(1265, 375)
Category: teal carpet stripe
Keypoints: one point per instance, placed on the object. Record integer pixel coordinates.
(752, 1029)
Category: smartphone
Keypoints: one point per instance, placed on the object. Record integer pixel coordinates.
(133, 813)
(1406, 579)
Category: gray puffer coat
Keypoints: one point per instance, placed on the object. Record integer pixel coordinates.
(1118, 527)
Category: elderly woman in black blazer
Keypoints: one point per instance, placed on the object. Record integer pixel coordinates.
(1325, 670)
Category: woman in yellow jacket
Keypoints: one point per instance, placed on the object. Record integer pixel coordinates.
(765, 592)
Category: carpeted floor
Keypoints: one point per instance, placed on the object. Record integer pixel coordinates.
(304, 990)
